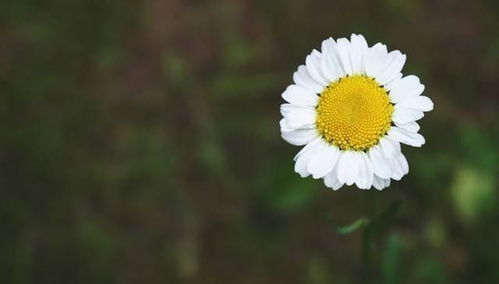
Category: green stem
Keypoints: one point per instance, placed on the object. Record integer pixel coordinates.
(378, 223)
(366, 254)
(370, 203)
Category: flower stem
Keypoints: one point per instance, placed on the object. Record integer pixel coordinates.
(367, 236)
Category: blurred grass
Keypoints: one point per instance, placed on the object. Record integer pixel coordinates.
(141, 144)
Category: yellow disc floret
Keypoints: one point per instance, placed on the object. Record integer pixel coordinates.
(354, 112)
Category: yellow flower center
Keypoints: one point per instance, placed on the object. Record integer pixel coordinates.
(354, 112)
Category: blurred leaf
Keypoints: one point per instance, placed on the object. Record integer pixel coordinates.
(436, 232)
(348, 229)
(213, 157)
(391, 265)
(473, 193)
(430, 270)
(284, 190)
(318, 271)
(479, 148)
(429, 169)
(175, 67)
(238, 52)
(97, 240)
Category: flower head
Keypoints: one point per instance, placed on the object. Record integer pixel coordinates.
(351, 108)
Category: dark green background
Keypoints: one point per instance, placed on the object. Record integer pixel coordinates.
(140, 143)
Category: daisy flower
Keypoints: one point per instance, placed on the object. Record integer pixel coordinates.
(351, 108)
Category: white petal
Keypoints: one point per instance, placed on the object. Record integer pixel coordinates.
(380, 183)
(324, 163)
(331, 180)
(421, 103)
(411, 126)
(329, 63)
(377, 183)
(397, 173)
(343, 55)
(389, 147)
(399, 166)
(348, 167)
(406, 137)
(285, 126)
(297, 95)
(404, 115)
(361, 179)
(331, 67)
(387, 182)
(405, 87)
(302, 78)
(328, 68)
(370, 171)
(357, 53)
(395, 60)
(366, 175)
(380, 164)
(298, 116)
(305, 155)
(299, 137)
(394, 142)
(375, 59)
(328, 45)
(389, 85)
(313, 63)
(310, 146)
(403, 164)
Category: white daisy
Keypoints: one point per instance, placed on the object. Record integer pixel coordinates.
(351, 108)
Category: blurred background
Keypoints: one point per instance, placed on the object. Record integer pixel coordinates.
(140, 144)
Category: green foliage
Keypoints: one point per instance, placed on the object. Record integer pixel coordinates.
(354, 226)
(140, 144)
(284, 191)
(392, 264)
(430, 270)
(473, 192)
